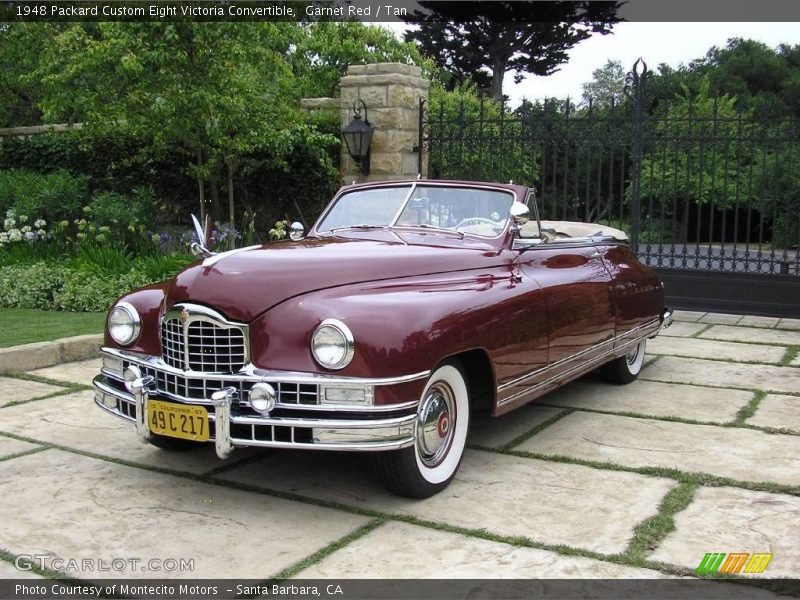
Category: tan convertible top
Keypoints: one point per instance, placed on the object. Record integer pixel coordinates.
(572, 229)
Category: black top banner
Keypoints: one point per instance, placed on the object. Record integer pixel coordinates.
(362, 10)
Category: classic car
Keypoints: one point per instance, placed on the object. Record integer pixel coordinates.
(408, 306)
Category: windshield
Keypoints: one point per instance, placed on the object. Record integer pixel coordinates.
(476, 211)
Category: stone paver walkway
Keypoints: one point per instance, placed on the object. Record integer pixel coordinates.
(571, 487)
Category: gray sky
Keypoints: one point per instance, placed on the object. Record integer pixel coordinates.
(670, 43)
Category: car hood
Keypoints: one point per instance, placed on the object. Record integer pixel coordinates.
(245, 283)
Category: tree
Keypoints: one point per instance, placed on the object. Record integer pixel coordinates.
(484, 40)
(217, 91)
(607, 85)
(325, 49)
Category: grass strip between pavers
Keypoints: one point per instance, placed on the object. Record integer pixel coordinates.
(668, 505)
(326, 551)
(39, 379)
(791, 354)
(700, 332)
(543, 425)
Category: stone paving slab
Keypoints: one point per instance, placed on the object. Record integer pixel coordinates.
(702, 348)
(714, 373)
(494, 432)
(446, 555)
(81, 372)
(106, 510)
(9, 571)
(75, 421)
(752, 335)
(793, 324)
(688, 315)
(554, 503)
(729, 520)
(19, 390)
(721, 319)
(10, 446)
(652, 398)
(681, 329)
(753, 321)
(743, 454)
(781, 412)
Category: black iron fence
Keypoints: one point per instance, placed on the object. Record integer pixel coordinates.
(700, 188)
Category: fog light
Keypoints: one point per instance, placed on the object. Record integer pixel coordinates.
(112, 366)
(263, 398)
(361, 396)
(131, 374)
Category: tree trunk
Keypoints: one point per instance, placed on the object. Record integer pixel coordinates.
(498, 73)
(201, 187)
(230, 193)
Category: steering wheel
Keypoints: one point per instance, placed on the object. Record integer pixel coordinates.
(475, 221)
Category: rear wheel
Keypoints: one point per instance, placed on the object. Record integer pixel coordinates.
(427, 467)
(625, 368)
(172, 444)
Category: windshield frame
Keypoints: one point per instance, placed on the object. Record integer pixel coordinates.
(412, 186)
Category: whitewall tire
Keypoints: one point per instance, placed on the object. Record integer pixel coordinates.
(626, 368)
(441, 431)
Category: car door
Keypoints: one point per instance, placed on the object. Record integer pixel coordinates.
(580, 313)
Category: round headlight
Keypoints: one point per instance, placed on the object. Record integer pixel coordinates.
(332, 344)
(124, 324)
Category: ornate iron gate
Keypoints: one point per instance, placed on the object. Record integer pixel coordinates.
(709, 196)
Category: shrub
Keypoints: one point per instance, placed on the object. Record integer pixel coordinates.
(31, 286)
(52, 197)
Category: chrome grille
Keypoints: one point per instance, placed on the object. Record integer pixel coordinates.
(199, 389)
(212, 348)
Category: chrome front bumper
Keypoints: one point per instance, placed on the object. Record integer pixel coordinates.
(317, 427)
(666, 319)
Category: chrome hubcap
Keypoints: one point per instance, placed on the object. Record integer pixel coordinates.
(631, 356)
(436, 424)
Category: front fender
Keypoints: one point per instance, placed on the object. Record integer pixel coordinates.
(400, 327)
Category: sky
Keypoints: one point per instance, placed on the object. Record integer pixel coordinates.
(655, 43)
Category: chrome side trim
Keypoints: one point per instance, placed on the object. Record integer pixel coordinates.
(571, 357)
(568, 372)
(251, 373)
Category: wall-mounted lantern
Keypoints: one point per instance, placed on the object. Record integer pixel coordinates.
(358, 135)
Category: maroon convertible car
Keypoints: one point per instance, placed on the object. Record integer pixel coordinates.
(409, 305)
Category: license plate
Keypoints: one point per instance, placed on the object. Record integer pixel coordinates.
(178, 420)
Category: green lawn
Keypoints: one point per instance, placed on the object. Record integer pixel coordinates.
(24, 325)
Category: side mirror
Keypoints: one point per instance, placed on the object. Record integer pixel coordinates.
(296, 231)
(198, 248)
(520, 213)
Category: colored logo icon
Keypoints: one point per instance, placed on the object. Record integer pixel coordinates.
(734, 562)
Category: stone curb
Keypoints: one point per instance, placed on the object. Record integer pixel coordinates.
(46, 354)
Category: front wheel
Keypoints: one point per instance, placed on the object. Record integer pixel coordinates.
(427, 467)
(625, 368)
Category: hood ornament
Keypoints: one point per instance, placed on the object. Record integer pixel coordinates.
(184, 316)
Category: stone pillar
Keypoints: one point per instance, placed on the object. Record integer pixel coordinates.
(392, 92)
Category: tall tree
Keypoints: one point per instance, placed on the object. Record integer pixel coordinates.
(484, 40)
(607, 85)
(218, 91)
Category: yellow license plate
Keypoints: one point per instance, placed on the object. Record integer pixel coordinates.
(178, 420)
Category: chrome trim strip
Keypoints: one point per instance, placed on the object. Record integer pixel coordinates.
(212, 260)
(251, 373)
(561, 361)
(568, 372)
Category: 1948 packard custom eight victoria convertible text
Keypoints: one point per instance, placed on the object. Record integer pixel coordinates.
(408, 306)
